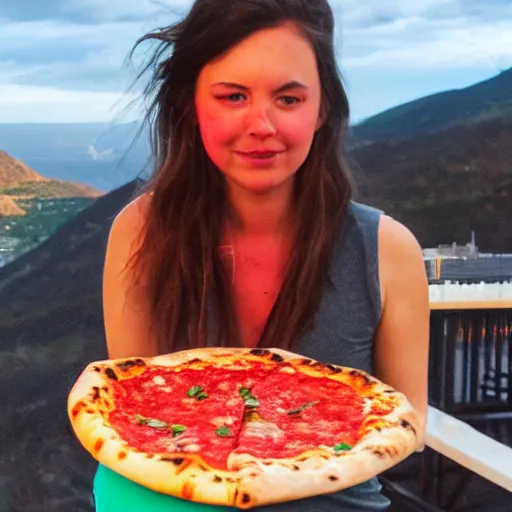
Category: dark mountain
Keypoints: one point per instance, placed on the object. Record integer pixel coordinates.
(50, 327)
(445, 184)
(441, 164)
(484, 100)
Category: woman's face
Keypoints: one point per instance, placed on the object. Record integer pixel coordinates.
(258, 107)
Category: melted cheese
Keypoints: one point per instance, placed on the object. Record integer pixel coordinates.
(159, 380)
(220, 421)
(263, 430)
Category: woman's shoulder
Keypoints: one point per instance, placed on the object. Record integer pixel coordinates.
(397, 239)
(127, 230)
(393, 246)
(392, 234)
(400, 256)
(134, 214)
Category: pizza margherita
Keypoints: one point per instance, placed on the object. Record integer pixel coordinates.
(240, 427)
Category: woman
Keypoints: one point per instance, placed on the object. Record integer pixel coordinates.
(247, 234)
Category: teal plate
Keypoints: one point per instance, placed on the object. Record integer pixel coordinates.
(114, 493)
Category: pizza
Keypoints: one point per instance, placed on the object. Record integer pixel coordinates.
(240, 427)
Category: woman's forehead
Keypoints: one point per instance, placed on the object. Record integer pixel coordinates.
(281, 54)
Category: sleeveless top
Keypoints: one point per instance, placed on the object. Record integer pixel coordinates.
(343, 334)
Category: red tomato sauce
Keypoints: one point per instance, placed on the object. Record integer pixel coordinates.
(155, 414)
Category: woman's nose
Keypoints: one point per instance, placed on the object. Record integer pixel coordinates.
(260, 123)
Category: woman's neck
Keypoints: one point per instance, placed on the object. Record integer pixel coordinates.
(260, 216)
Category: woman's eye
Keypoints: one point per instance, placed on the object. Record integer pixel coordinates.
(236, 97)
(289, 100)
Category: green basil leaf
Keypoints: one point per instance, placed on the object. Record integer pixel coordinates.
(153, 423)
(342, 447)
(194, 390)
(252, 402)
(245, 392)
(201, 396)
(224, 432)
(157, 424)
(140, 419)
(307, 405)
(178, 429)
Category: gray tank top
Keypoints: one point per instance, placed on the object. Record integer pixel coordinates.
(351, 306)
(343, 334)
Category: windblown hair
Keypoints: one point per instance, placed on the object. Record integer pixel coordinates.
(179, 256)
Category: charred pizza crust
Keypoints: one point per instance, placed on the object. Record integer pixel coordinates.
(389, 433)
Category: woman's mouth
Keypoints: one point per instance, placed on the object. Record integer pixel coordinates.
(259, 158)
(259, 154)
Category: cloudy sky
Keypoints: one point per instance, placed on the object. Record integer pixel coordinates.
(64, 60)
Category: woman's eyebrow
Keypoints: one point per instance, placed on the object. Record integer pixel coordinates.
(294, 84)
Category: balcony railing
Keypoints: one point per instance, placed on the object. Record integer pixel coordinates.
(471, 358)
(470, 397)
(470, 448)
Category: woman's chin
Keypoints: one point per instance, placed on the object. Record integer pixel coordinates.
(261, 186)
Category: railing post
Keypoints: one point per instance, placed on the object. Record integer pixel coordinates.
(437, 326)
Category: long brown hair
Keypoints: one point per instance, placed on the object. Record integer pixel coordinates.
(179, 253)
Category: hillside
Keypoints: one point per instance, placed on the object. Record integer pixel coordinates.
(49, 189)
(33, 206)
(445, 184)
(482, 101)
(17, 180)
(9, 208)
(13, 170)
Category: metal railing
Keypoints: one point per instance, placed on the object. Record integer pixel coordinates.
(470, 361)
(470, 397)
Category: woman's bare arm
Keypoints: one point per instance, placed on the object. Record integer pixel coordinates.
(402, 339)
(125, 304)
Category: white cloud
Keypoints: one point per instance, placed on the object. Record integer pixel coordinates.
(68, 55)
(26, 34)
(22, 104)
(114, 9)
(10, 71)
(436, 45)
(404, 41)
(357, 12)
(99, 155)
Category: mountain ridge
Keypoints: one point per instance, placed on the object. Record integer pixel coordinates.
(13, 170)
(444, 185)
(488, 99)
(20, 182)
